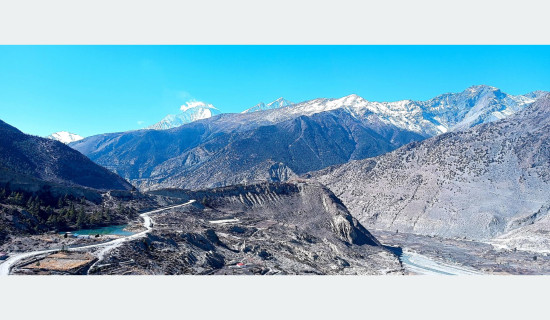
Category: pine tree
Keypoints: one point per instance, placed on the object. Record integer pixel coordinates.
(71, 215)
(17, 198)
(81, 221)
(30, 203)
(108, 218)
(52, 221)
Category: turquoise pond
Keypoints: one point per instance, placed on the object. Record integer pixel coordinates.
(116, 230)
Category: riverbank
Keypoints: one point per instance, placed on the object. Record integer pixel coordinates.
(435, 255)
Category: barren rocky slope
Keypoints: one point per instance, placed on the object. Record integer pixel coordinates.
(278, 228)
(478, 183)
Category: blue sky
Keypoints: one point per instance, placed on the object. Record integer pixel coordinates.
(96, 89)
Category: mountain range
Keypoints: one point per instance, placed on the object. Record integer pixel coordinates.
(283, 142)
(446, 112)
(238, 148)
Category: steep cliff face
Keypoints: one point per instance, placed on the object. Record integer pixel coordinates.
(312, 207)
(478, 183)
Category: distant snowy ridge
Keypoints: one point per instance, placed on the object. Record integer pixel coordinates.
(279, 103)
(191, 111)
(65, 137)
(446, 112)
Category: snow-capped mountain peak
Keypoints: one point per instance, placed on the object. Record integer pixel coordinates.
(65, 137)
(196, 105)
(479, 87)
(279, 103)
(447, 112)
(190, 111)
(352, 100)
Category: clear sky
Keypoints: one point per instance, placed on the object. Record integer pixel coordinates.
(96, 89)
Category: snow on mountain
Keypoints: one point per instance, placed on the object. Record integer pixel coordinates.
(446, 112)
(231, 147)
(65, 137)
(191, 111)
(279, 103)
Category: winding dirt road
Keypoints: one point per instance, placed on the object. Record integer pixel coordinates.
(6, 267)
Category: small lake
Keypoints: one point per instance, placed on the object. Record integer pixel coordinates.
(116, 230)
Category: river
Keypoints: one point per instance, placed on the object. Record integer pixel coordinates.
(421, 264)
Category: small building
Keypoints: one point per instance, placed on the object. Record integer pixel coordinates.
(3, 256)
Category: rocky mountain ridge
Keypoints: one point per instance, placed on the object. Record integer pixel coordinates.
(219, 151)
(27, 159)
(477, 183)
(241, 148)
